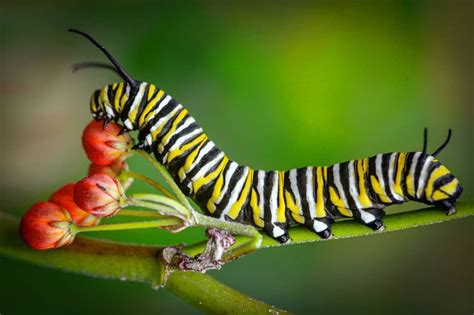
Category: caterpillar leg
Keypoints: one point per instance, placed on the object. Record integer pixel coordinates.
(278, 231)
(321, 226)
(371, 218)
(447, 206)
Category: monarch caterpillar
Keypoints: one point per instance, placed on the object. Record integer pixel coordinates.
(270, 200)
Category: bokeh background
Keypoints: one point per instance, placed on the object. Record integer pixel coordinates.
(276, 85)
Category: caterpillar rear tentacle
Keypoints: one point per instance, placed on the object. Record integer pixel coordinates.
(270, 200)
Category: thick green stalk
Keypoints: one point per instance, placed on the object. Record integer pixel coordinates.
(131, 263)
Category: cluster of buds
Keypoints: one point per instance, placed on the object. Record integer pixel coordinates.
(53, 223)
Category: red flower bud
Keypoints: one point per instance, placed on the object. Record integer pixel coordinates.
(113, 170)
(46, 225)
(99, 195)
(64, 198)
(104, 146)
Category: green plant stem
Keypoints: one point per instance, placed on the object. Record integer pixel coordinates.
(140, 214)
(167, 177)
(126, 226)
(351, 228)
(101, 259)
(149, 181)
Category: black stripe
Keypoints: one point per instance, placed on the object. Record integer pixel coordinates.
(230, 188)
(141, 107)
(355, 164)
(385, 168)
(205, 192)
(267, 191)
(168, 108)
(208, 157)
(406, 172)
(128, 104)
(373, 196)
(344, 176)
(419, 167)
(301, 181)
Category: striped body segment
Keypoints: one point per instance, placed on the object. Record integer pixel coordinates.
(271, 200)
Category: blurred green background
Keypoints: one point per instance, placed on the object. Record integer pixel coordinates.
(276, 85)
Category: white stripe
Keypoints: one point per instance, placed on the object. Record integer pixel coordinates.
(177, 131)
(294, 188)
(260, 188)
(274, 198)
(352, 185)
(128, 124)
(310, 191)
(227, 178)
(205, 168)
(208, 147)
(337, 181)
(391, 177)
(160, 106)
(423, 175)
(182, 140)
(412, 169)
(138, 98)
(235, 192)
(165, 119)
(378, 169)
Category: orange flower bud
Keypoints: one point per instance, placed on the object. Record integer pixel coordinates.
(46, 225)
(113, 170)
(103, 145)
(99, 195)
(64, 198)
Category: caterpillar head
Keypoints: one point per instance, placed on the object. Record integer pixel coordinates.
(445, 190)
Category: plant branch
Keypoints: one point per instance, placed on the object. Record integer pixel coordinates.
(131, 263)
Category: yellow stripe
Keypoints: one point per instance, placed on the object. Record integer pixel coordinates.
(93, 104)
(437, 173)
(256, 210)
(378, 189)
(190, 159)
(157, 131)
(398, 180)
(124, 98)
(175, 153)
(294, 210)
(177, 120)
(103, 96)
(215, 193)
(446, 191)
(281, 215)
(237, 206)
(338, 203)
(151, 90)
(118, 94)
(409, 185)
(363, 197)
(149, 107)
(211, 176)
(320, 213)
